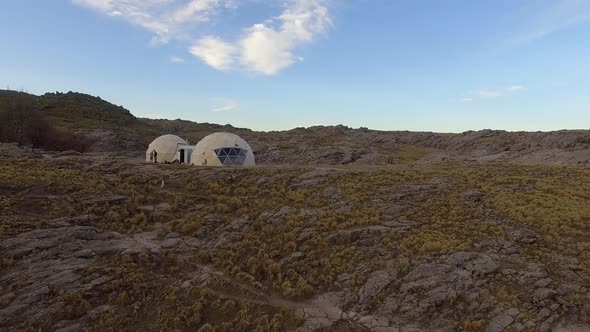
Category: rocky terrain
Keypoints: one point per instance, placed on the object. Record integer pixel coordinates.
(102, 242)
(336, 229)
(341, 145)
(115, 130)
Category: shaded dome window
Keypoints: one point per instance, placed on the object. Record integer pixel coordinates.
(231, 156)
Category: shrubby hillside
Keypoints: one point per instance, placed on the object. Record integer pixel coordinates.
(109, 244)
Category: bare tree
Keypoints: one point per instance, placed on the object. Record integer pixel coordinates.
(37, 130)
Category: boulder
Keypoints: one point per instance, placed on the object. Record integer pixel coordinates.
(471, 196)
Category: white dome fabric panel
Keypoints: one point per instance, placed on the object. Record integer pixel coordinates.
(223, 149)
(166, 147)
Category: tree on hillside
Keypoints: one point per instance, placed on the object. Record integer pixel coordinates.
(22, 121)
(14, 118)
(38, 130)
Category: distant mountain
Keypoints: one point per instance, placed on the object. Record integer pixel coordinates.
(115, 129)
(74, 110)
(78, 110)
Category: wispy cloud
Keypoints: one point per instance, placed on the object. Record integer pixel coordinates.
(266, 47)
(166, 19)
(516, 88)
(491, 93)
(176, 59)
(226, 105)
(546, 17)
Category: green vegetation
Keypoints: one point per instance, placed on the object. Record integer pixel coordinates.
(72, 110)
(408, 154)
(173, 308)
(76, 110)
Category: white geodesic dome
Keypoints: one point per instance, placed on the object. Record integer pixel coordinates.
(166, 146)
(222, 149)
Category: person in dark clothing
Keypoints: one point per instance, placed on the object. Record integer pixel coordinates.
(155, 156)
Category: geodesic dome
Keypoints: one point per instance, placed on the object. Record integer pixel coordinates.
(166, 146)
(222, 149)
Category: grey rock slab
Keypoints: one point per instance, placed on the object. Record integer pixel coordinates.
(171, 243)
(76, 326)
(67, 153)
(101, 280)
(543, 294)
(376, 282)
(293, 257)
(343, 277)
(542, 283)
(389, 307)
(50, 263)
(172, 235)
(107, 199)
(331, 192)
(529, 324)
(426, 270)
(86, 253)
(471, 196)
(83, 220)
(477, 263)
(13, 310)
(499, 323)
(544, 313)
(240, 225)
(100, 309)
(438, 296)
(518, 327)
(548, 323)
(63, 280)
(305, 234)
(568, 289)
(32, 296)
(377, 324)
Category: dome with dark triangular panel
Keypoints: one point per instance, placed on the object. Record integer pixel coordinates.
(223, 149)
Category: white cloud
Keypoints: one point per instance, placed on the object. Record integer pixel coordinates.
(490, 93)
(226, 105)
(516, 88)
(267, 47)
(176, 59)
(215, 52)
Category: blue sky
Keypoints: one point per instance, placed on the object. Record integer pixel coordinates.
(437, 65)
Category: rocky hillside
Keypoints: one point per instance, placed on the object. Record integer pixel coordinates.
(115, 129)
